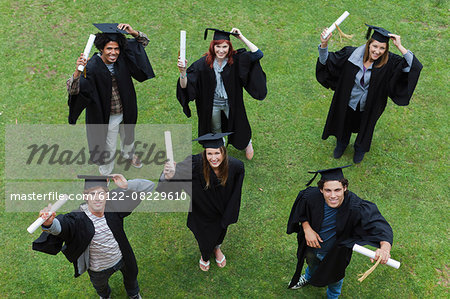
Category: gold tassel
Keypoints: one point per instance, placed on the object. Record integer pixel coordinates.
(342, 34)
(84, 72)
(364, 276)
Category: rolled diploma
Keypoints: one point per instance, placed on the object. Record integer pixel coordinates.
(169, 150)
(183, 47)
(370, 253)
(338, 22)
(87, 50)
(41, 220)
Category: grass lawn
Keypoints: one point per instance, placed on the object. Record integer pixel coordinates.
(406, 173)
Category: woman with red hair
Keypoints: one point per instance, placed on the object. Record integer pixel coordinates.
(216, 81)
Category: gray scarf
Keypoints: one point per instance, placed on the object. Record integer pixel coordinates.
(220, 89)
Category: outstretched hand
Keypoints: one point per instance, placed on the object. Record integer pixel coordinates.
(44, 213)
(383, 253)
(169, 170)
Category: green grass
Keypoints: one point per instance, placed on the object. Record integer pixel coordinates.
(405, 173)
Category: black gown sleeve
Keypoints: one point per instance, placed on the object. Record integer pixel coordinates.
(231, 213)
(252, 75)
(298, 214)
(52, 244)
(328, 74)
(374, 224)
(78, 102)
(48, 243)
(370, 228)
(137, 61)
(402, 84)
(191, 92)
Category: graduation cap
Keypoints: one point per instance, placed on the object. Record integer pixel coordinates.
(220, 34)
(109, 28)
(91, 181)
(330, 174)
(212, 140)
(379, 34)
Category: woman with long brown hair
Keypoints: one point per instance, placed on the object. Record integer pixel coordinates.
(215, 190)
(363, 78)
(216, 83)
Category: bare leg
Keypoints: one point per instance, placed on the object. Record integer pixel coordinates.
(249, 151)
(220, 257)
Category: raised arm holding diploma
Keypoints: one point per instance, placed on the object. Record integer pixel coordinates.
(47, 215)
(333, 26)
(87, 50)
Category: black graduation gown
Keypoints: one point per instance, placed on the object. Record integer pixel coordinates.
(212, 209)
(95, 95)
(388, 81)
(202, 84)
(358, 221)
(77, 231)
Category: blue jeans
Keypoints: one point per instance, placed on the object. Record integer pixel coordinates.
(100, 280)
(334, 289)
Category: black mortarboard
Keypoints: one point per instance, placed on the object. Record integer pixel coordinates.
(95, 180)
(220, 34)
(379, 34)
(212, 140)
(331, 174)
(109, 28)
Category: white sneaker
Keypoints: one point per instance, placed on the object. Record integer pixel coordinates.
(301, 283)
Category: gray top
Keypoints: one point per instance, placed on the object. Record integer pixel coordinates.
(220, 95)
(361, 87)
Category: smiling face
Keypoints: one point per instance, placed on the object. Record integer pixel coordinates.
(333, 192)
(376, 50)
(110, 52)
(96, 199)
(221, 50)
(214, 157)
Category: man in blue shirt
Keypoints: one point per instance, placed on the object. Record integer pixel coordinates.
(329, 220)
